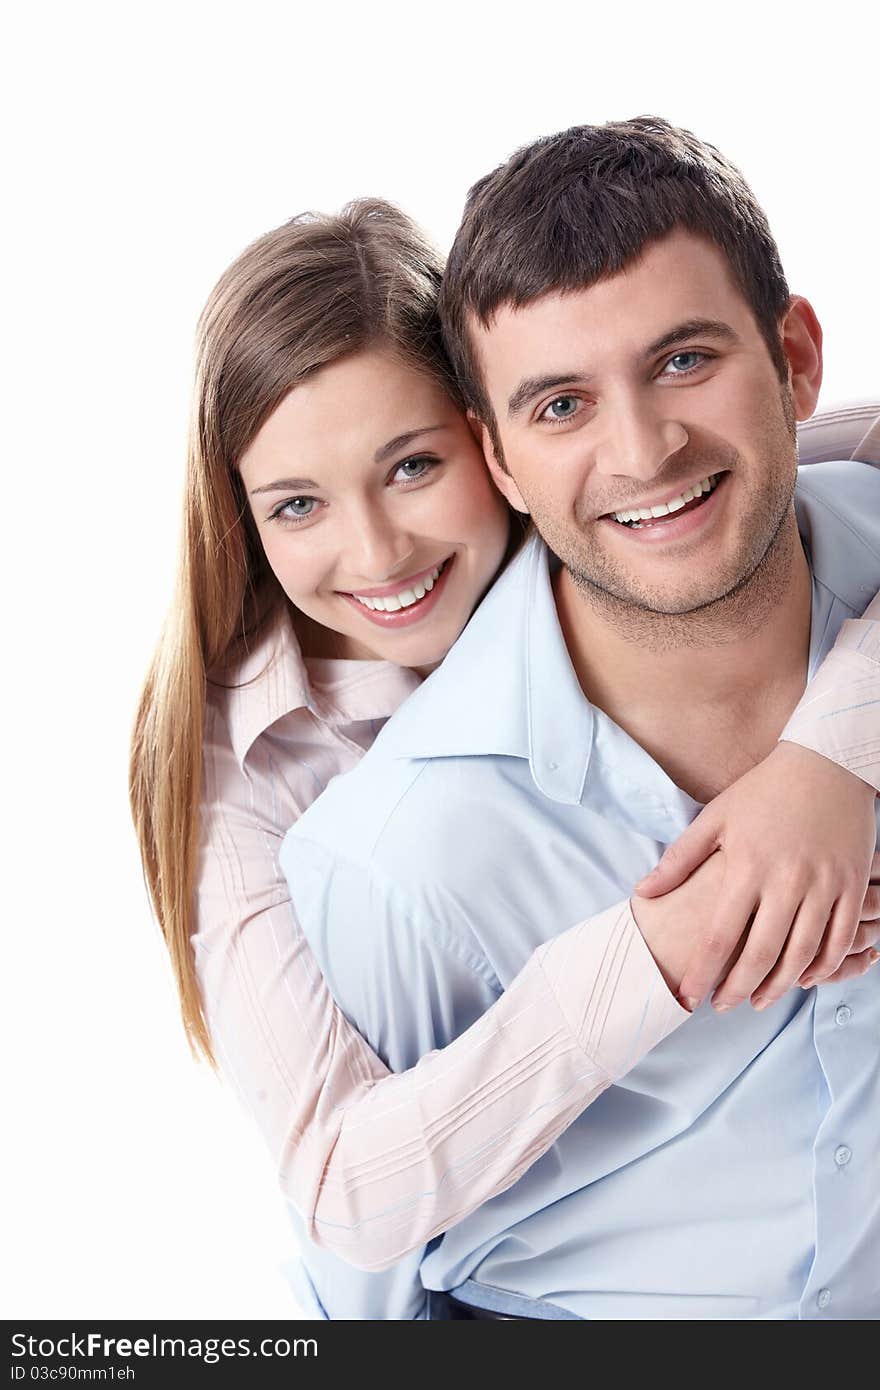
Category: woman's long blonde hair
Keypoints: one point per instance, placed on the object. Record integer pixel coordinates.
(299, 298)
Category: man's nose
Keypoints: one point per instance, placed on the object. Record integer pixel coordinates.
(637, 442)
(380, 549)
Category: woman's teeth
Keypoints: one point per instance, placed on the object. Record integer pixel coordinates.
(405, 598)
(638, 514)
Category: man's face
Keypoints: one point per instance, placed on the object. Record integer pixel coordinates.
(645, 428)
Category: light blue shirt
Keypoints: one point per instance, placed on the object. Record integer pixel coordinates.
(735, 1171)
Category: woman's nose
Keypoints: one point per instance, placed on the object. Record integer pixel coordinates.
(380, 550)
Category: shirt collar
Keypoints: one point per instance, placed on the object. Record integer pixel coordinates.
(269, 682)
(274, 680)
(507, 687)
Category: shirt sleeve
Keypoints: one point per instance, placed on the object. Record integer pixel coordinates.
(376, 1163)
(841, 432)
(839, 714)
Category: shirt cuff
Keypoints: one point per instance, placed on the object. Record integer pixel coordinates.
(610, 991)
(839, 715)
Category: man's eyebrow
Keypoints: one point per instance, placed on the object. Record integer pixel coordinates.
(532, 386)
(400, 441)
(691, 328)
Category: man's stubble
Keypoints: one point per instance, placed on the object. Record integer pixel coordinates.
(712, 608)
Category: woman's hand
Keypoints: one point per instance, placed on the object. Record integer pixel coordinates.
(862, 954)
(673, 924)
(798, 834)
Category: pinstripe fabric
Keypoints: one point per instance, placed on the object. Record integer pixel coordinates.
(377, 1169)
(378, 1163)
(847, 731)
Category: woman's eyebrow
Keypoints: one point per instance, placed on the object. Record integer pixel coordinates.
(285, 485)
(400, 441)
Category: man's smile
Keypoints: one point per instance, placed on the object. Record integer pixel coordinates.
(687, 498)
(680, 515)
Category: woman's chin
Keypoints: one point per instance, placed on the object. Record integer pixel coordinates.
(421, 654)
(422, 651)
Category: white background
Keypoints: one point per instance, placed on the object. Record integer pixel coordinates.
(148, 146)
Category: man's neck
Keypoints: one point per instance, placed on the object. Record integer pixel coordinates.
(707, 693)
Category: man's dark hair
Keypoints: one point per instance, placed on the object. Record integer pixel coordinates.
(575, 207)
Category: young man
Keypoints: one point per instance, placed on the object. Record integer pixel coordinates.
(618, 316)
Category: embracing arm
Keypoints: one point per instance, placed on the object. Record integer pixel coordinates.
(799, 832)
(839, 715)
(466, 1122)
(378, 1163)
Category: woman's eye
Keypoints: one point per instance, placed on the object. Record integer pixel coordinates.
(296, 509)
(562, 408)
(415, 468)
(684, 362)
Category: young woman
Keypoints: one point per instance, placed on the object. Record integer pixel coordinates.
(340, 528)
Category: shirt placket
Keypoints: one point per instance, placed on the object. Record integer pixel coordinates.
(845, 1175)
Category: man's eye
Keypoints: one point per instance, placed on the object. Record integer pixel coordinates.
(684, 362)
(562, 408)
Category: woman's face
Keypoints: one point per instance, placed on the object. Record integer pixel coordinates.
(375, 508)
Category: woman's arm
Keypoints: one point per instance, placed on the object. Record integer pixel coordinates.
(378, 1163)
(839, 715)
(806, 901)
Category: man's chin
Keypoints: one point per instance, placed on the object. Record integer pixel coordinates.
(659, 603)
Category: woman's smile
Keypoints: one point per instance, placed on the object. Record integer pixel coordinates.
(398, 605)
(391, 497)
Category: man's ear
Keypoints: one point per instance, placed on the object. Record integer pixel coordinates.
(802, 345)
(500, 476)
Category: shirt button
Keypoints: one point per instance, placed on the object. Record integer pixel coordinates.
(842, 1015)
(823, 1298)
(842, 1155)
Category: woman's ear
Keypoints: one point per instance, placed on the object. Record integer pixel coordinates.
(802, 345)
(495, 464)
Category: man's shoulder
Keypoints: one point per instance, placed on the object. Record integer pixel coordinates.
(838, 507)
(353, 810)
(391, 864)
(410, 818)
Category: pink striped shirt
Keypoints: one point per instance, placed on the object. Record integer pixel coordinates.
(343, 1131)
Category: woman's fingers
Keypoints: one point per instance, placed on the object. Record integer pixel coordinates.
(871, 905)
(765, 950)
(796, 936)
(797, 955)
(867, 935)
(720, 945)
(679, 861)
(839, 934)
(854, 966)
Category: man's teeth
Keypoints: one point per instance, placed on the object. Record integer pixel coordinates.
(405, 598)
(666, 508)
